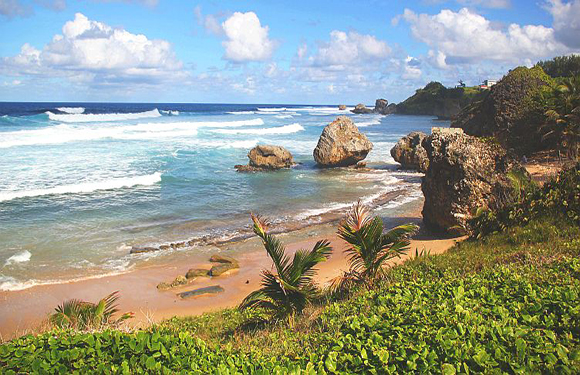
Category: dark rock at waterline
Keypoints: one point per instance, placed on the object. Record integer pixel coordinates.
(410, 152)
(145, 249)
(267, 157)
(383, 107)
(464, 174)
(196, 272)
(214, 289)
(361, 109)
(341, 144)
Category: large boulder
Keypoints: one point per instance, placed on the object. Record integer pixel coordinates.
(341, 144)
(464, 174)
(410, 152)
(361, 109)
(267, 157)
(512, 112)
(383, 107)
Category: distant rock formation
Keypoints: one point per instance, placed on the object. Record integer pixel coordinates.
(383, 107)
(342, 107)
(361, 109)
(464, 174)
(267, 157)
(410, 152)
(510, 112)
(341, 144)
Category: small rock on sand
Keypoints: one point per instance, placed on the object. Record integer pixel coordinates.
(214, 289)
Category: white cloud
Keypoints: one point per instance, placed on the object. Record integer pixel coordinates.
(566, 21)
(92, 48)
(246, 38)
(412, 70)
(210, 22)
(350, 48)
(496, 4)
(466, 37)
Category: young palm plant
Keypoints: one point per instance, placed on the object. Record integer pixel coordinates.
(370, 249)
(82, 315)
(291, 288)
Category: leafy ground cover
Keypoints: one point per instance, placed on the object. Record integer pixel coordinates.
(508, 302)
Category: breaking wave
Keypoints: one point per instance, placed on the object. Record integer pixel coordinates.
(102, 117)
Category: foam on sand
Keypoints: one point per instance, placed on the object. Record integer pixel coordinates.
(286, 129)
(102, 117)
(84, 187)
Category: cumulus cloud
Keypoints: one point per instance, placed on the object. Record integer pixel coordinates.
(566, 21)
(93, 49)
(209, 22)
(246, 38)
(350, 48)
(496, 4)
(465, 37)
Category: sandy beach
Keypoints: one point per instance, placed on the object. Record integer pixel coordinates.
(25, 311)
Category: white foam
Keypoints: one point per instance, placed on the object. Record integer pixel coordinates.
(74, 133)
(228, 144)
(284, 116)
(72, 110)
(84, 187)
(21, 257)
(102, 117)
(363, 124)
(170, 112)
(241, 113)
(281, 109)
(286, 129)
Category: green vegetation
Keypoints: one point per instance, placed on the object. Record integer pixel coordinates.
(82, 315)
(292, 289)
(508, 302)
(561, 66)
(370, 249)
(437, 100)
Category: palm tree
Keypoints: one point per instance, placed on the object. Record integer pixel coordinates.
(370, 249)
(291, 288)
(563, 116)
(84, 315)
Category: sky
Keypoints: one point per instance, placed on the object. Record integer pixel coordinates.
(269, 51)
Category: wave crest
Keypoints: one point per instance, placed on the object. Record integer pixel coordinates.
(286, 129)
(72, 110)
(102, 117)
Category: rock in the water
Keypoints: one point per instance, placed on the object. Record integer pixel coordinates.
(361, 109)
(410, 152)
(267, 157)
(341, 144)
(383, 107)
(342, 107)
(464, 174)
(222, 268)
(196, 272)
(139, 250)
(214, 289)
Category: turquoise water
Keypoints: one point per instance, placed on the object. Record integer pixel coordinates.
(82, 183)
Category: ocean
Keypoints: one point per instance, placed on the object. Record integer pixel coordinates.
(82, 183)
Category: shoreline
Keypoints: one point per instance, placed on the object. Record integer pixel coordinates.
(24, 311)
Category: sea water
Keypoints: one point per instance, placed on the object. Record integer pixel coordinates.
(81, 183)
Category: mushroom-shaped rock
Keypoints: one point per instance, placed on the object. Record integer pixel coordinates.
(267, 157)
(361, 109)
(341, 144)
(410, 152)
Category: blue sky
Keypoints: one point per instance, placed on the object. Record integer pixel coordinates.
(319, 52)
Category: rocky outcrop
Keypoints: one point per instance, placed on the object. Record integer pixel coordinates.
(267, 157)
(225, 264)
(214, 289)
(196, 272)
(512, 112)
(341, 144)
(361, 109)
(410, 152)
(383, 107)
(341, 107)
(464, 174)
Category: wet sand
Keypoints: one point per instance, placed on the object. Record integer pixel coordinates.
(24, 311)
